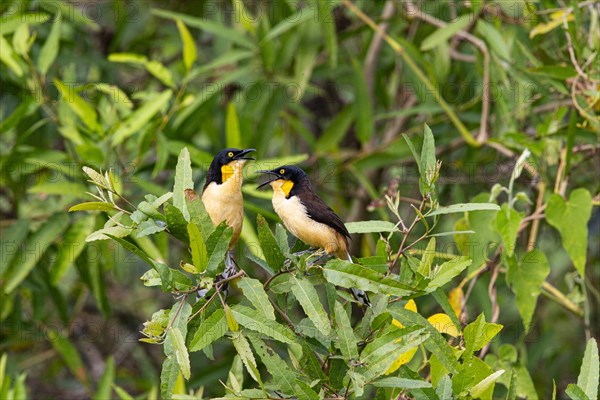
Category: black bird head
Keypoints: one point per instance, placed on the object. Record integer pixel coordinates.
(225, 163)
(290, 176)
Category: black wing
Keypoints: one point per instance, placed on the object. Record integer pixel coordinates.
(320, 212)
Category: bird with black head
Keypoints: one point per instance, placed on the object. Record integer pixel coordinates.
(307, 216)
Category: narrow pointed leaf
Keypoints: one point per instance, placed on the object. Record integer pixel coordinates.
(254, 292)
(308, 298)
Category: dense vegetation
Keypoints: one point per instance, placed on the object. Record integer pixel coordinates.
(458, 139)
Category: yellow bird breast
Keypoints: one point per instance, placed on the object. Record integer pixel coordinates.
(295, 218)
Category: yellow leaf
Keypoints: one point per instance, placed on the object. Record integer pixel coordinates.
(403, 359)
(456, 297)
(411, 305)
(443, 324)
(556, 19)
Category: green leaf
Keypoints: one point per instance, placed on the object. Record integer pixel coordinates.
(249, 318)
(217, 245)
(526, 278)
(402, 383)
(20, 40)
(444, 33)
(183, 181)
(349, 275)
(343, 329)
(478, 333)
(305, 392)
(254, 292)
(123, 395)
(362, 106)
(308, 298)
(140, 117)
(444, 387)
(471, 372)
(160, 72)
(199, 253)
(381, 353)
(554, 71)
(106, 381)
(462, 207)
(150, 227)
(479, 390)
(371, 227)
(233, 137)
(176, 223)
(575, 392)
(72, 246)
(337, 128)
(216, 28)
(571, 218)
(268, 243)
(301, 16)
(589, 375)
(190, 54)
(93, 206)
(447, 271)
(36, 246)
(427, 259)
(243, 349)
(156, 68)
(210, 330)
(168, 377)
(80, 107)
(11, 241)
(508, 221)
(181, 354)
(106, 233)
(495, 39)
(428, 166)
(69, 354)
(50, 48)
(283, 376)
(326, 19)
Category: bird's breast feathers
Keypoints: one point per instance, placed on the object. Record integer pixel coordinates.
(225, 202)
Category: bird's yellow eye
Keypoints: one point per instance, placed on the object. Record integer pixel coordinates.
(282, 171)
(230, 154)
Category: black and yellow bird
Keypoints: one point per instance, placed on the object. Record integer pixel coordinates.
(222, 195)
(307, 217)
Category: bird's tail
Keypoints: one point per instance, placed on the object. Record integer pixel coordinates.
(360, 295)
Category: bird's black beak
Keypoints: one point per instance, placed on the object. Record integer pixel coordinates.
(242, 155)
(277, 176)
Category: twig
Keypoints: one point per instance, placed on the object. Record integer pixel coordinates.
(401, 249)
(536, 222)
(551, 291)
(492, 292)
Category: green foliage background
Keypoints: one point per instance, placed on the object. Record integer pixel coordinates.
(127, 85)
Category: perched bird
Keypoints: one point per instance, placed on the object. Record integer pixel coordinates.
(222, 196)
(307, 217)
